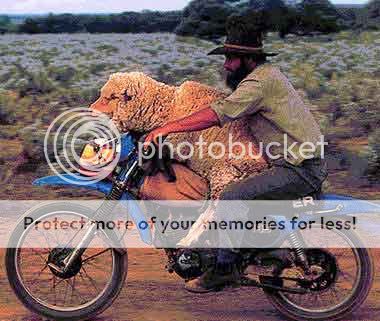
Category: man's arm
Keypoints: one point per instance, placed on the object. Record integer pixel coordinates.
(199, 120)
(245, 100)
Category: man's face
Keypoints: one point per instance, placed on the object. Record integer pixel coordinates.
(236, 70)
(232, 63)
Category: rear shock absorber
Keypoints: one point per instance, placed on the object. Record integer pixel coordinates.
(298, 246)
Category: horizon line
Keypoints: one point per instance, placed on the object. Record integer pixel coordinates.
(138, 11)
(80, 12)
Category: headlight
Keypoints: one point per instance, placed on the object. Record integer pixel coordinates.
(96, 154)
(99, 155)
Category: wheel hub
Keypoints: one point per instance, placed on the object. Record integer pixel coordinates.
(56, 263)
(324, 269)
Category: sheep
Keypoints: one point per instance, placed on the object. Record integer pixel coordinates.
(137, 102)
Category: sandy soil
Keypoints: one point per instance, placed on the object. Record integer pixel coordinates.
(153, 294)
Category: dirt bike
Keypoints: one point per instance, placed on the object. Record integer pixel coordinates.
(302, 283)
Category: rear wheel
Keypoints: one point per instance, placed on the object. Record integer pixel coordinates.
(343, 279)
(87, 289)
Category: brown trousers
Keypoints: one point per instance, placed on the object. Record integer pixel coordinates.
(188, 187)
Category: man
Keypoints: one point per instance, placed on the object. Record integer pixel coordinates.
(277, 116)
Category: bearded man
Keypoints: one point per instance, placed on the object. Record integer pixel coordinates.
(276, 113)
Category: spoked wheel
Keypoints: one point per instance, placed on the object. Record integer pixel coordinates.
(85, 290)
(340, 282)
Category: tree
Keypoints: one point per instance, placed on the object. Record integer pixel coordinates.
(147, 21)
(281, 18)
(318, 15)
(5, 24)
(4, 20)
(322, 7)
(369, 17)
(204, 18)
(30, 26)
(266, 4)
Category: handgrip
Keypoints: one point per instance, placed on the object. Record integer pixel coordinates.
(146, 151)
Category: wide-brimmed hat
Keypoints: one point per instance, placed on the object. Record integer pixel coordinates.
(229, 48)
(244, 36)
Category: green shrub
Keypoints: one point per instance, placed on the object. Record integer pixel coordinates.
(108, 49)
(374, 156)
(96, 69)
(151, 51)
(307, 79)
(6, 106)
(352, 99)
(63, 74)
(26, 82)
(77, 97)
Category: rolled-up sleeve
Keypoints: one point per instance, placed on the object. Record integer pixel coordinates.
(245, 100)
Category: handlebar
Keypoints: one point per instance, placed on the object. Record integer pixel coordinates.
(158, 161)
(147, 151)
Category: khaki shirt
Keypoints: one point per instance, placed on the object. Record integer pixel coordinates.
(276, 114)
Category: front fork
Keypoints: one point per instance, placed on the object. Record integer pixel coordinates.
(80, 248)
(106, 208)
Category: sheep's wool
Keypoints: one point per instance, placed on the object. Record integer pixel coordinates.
(138, 102)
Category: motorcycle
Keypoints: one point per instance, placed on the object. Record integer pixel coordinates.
(302, 283)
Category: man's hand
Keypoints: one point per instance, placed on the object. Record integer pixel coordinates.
(154, 136)
(200, 120)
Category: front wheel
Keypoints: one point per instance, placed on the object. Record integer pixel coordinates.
(345, 279)
(87, 289)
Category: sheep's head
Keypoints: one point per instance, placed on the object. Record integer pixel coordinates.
(135, 101)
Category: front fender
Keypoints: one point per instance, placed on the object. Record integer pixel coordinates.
(105, 187)
(75, 181)
(138, 217)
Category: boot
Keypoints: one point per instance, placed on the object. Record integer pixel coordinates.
(213, 280)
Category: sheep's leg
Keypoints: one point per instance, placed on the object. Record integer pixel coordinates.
(221, 177)
(224, 176)
(199, 228)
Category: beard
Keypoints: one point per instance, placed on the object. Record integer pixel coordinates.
(234, 78)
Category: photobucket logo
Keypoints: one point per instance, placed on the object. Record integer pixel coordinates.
(64, 145)
(236, 150)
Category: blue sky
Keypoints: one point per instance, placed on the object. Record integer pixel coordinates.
(76, 6)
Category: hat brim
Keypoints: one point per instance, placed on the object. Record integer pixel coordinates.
(223, 51)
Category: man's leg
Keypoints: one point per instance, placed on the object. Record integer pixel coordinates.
(276, 183)
(282, 182)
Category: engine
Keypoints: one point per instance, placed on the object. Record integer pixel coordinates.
(190, 263)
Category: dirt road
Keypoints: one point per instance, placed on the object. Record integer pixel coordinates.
(151, 294)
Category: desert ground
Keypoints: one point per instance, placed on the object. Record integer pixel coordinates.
(151, 294)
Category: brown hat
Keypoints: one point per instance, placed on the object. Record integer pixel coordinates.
(244, 36)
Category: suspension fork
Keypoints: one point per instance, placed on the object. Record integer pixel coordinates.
(107, 206)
